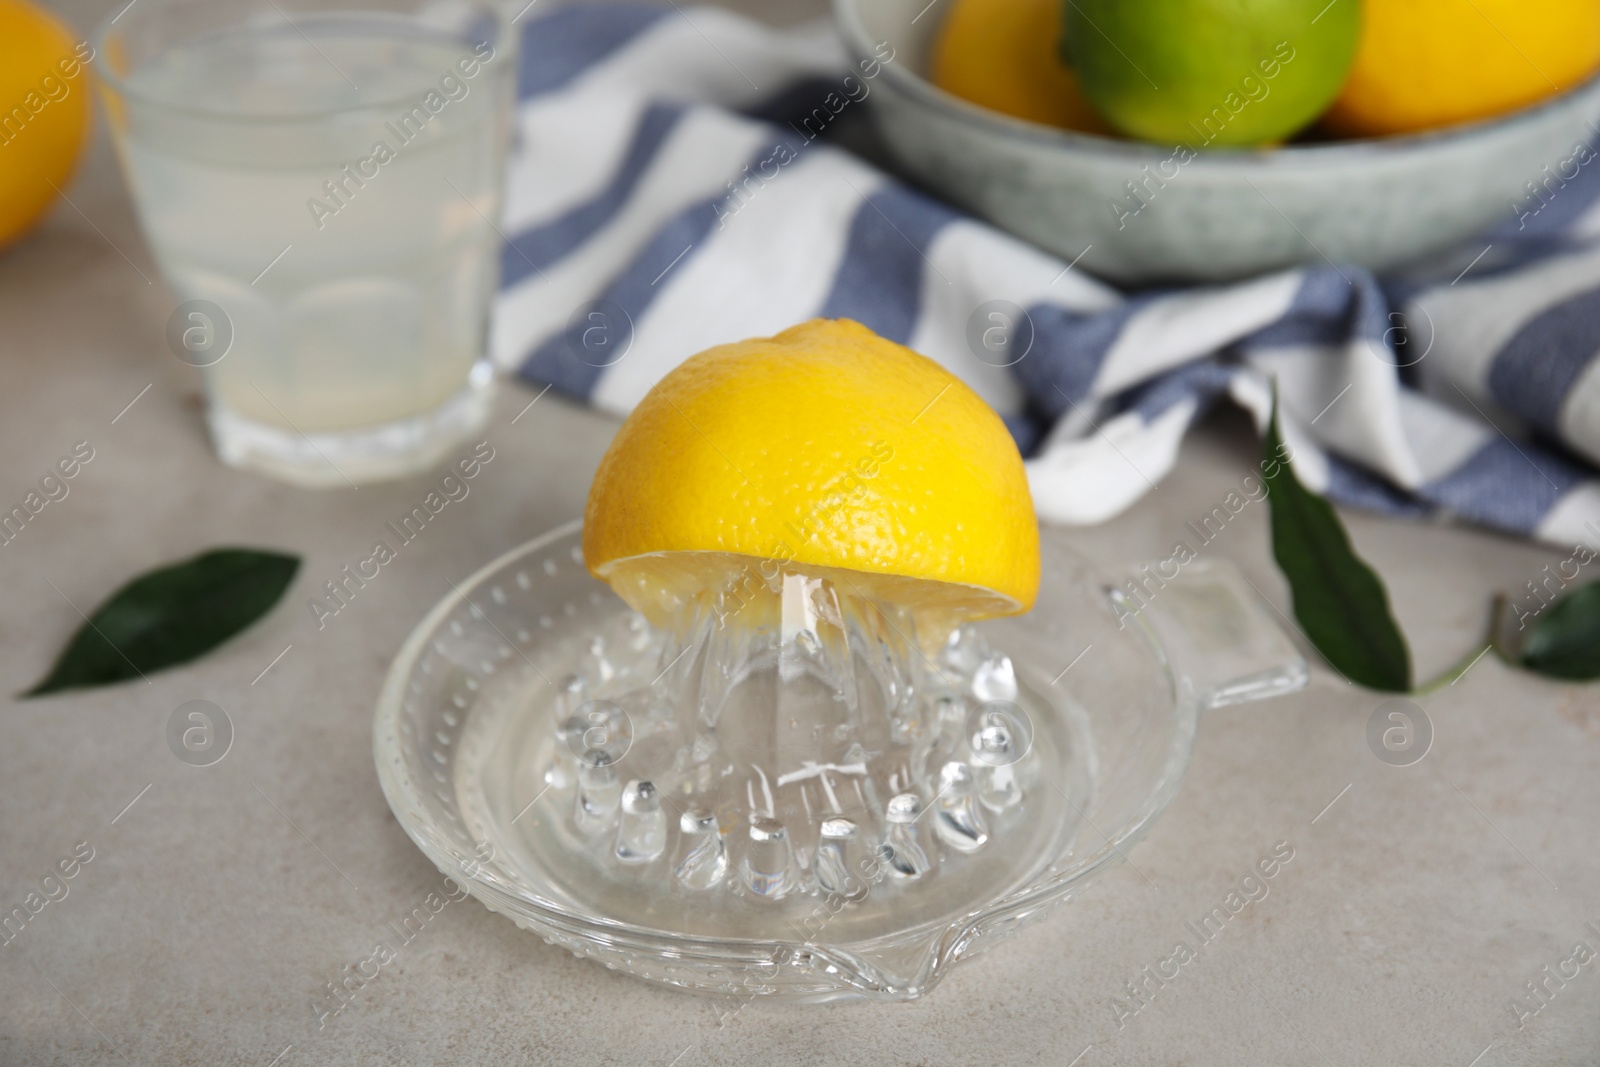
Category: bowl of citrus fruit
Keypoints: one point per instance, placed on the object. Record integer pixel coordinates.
(807, 705)
(1193, 140)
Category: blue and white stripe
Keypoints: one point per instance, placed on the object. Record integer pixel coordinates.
(662, 166)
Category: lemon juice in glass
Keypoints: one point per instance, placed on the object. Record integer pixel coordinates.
(320, 187)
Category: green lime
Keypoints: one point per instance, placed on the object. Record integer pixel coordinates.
(1208, 73)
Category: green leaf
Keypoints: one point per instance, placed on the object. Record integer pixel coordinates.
(1341, 603)
(1564, 641)
(171, 615)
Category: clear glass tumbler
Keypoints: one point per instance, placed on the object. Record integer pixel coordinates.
(320, 186)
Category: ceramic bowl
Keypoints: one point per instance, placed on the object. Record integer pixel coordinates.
(1222, 214)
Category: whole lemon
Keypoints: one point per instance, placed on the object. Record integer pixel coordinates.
(44, 113)
(825, 450)
(1005, 55)
(1210, 73)
(1428, 63)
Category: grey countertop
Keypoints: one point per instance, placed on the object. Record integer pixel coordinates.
(1419, 904)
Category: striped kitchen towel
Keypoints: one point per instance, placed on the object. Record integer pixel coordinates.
(673, 186)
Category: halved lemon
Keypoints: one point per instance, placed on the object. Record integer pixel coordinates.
(826, 451)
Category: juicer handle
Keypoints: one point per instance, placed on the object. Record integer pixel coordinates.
(1219, 635)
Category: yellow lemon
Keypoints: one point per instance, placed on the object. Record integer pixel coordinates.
(44, 113)
(1427, 63)
(1005, 55)
(826, 450)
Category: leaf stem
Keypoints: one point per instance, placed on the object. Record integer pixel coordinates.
(1456, 671)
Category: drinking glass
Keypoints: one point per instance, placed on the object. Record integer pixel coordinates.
(319, 186)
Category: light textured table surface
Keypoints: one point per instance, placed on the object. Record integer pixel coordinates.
(216, 907)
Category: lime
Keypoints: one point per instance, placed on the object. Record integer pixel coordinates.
(1210, 73)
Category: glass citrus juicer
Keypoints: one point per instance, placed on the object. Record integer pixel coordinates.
(789, 746)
